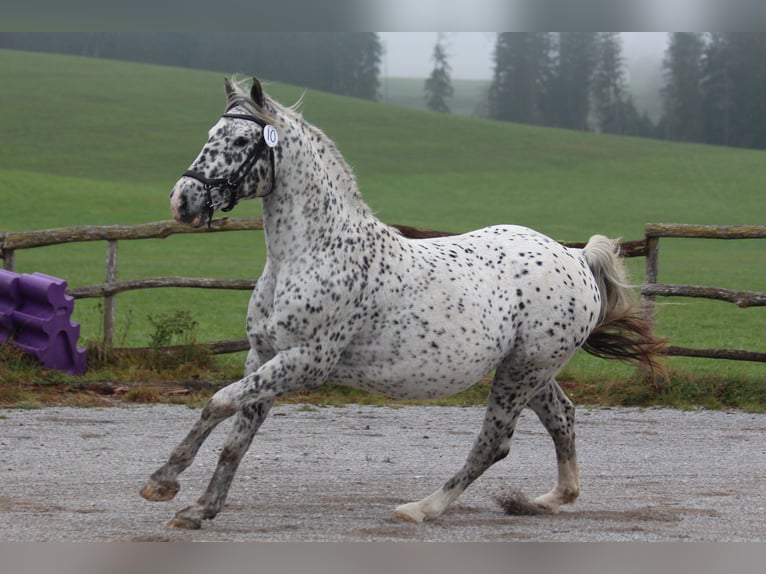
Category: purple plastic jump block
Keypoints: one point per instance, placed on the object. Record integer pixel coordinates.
(35, 314)
(9, 301)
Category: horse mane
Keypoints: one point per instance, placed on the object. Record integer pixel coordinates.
(272, 112)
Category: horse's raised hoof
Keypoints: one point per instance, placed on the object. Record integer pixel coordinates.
(408, 513)
(159, 492)
(185, 523)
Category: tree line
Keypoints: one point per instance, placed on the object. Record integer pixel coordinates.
(340, 62)
(713, 86)
(715, 89)
(573, 80)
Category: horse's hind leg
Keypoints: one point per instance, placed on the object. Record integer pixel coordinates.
(557, 414)
(246, 424)
(506, 401)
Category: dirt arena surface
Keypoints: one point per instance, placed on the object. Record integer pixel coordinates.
(335, 474)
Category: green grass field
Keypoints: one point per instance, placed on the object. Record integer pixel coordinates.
(90, 142)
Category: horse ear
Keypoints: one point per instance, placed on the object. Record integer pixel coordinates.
(256, 92)
(229, 88)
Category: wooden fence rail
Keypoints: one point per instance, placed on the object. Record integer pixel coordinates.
(12, 240)
(705, 231)
(648, 247)
(740, 298)
(111, 289)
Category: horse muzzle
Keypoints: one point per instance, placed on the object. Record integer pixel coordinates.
(188, 204)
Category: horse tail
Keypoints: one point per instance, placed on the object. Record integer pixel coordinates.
(622, 332)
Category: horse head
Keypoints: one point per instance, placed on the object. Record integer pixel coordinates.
(236, 162)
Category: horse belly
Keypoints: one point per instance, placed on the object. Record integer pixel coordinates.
(417, 379)
(404, 359)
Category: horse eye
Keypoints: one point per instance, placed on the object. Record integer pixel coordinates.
(240, 142)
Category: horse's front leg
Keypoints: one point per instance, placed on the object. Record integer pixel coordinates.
(251, 398)
(246, 424)
(163, 483)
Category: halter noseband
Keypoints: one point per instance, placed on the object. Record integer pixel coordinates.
(233, 182)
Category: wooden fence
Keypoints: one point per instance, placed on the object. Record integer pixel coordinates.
(651, 289)
(13, 241)
(10, 242)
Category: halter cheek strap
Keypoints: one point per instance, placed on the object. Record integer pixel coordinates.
(234, 181)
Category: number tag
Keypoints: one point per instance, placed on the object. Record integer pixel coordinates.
(270, 135)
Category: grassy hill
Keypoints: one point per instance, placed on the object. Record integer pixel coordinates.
(102, 142)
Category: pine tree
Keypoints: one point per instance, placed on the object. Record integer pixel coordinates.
(522, 77)
(355, 59)
(733, 86)
(717, 90)
(609, 92)
(574, 74)
(682, 91)
(747, 68)
(438, 86)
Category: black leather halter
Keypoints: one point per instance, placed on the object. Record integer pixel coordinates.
(234, 181)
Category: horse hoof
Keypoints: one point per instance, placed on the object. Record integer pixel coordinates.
(546, 504)
(408, 513)
(158, 492)
(185, 523)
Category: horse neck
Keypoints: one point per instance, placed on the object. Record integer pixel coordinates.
(316, 198)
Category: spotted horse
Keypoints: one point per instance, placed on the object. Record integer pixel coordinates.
(347, 298)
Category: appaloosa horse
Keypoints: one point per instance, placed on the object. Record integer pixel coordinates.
(344, 297)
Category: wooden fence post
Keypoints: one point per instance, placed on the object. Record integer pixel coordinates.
(111, 277)
(650, 276)
(9, 259)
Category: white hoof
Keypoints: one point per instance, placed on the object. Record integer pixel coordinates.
(566, 491)
(427, 509)
(409, 513)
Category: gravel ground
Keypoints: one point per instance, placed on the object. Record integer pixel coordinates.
(335, 474)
